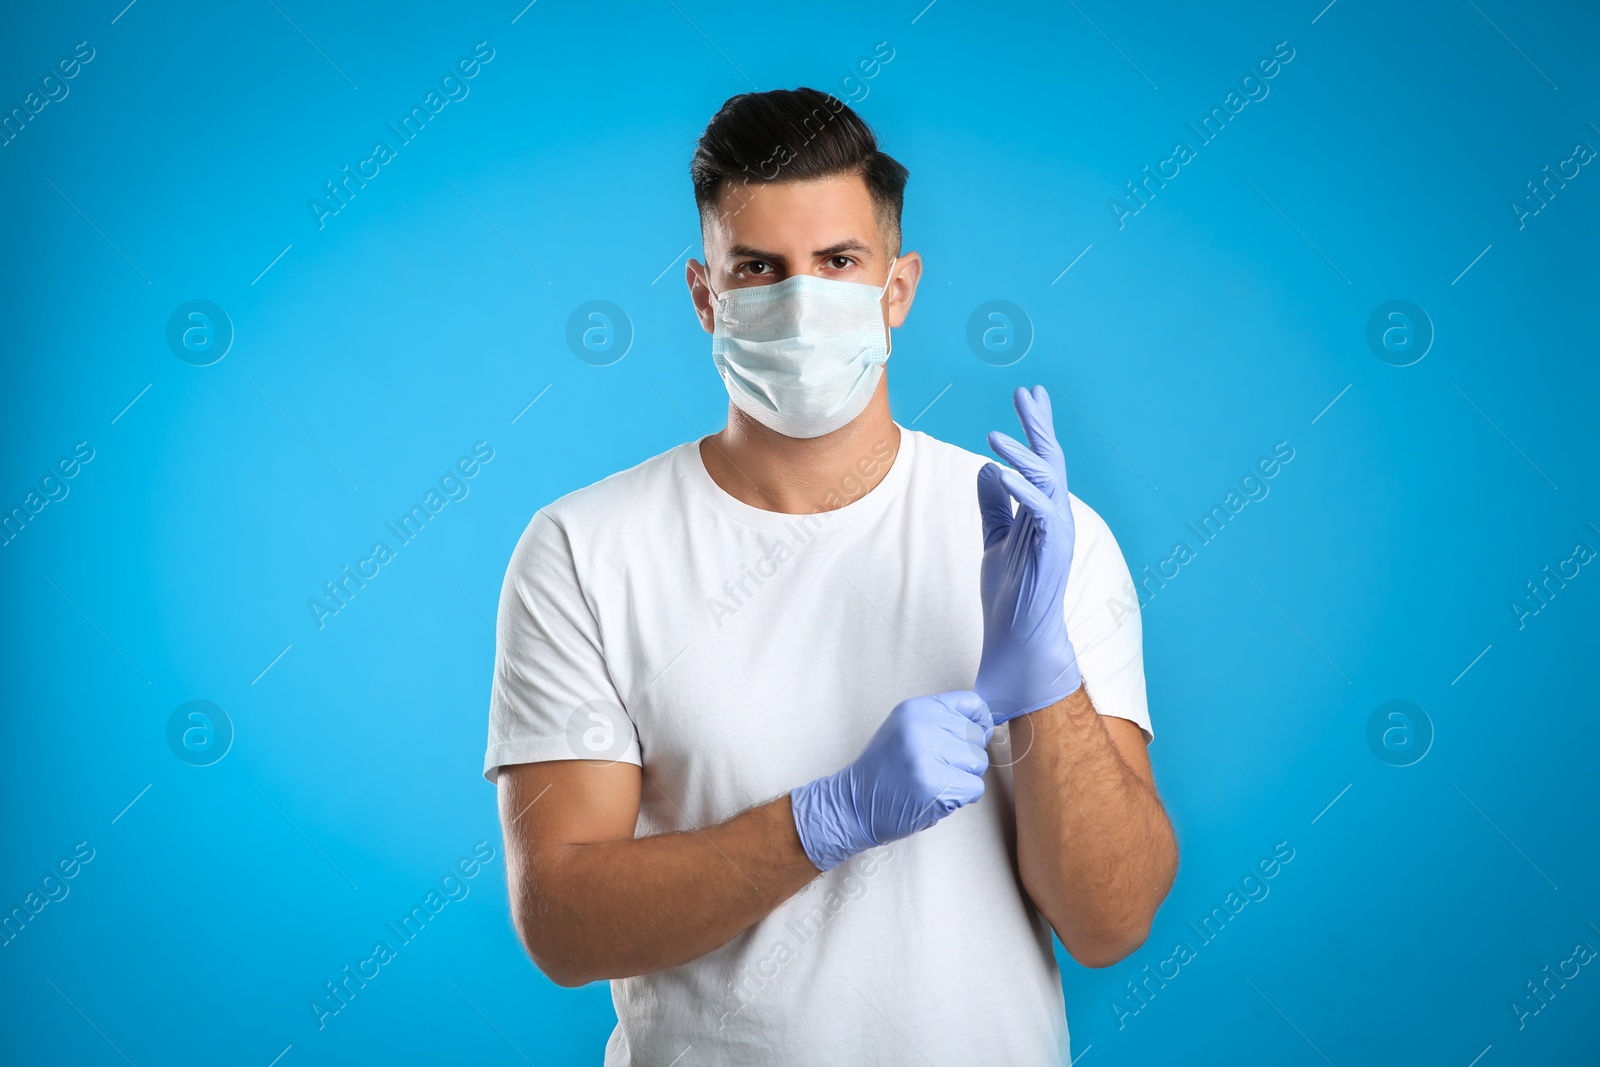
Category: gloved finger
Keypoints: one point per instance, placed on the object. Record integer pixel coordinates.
(1039, 424)
(963, 757)
(1040, 508)
(977, 755)
(968, 726)
(1024, 459)
(969, 790)
(953, 793)
(994, 504)
(967, 704)
(960, 789)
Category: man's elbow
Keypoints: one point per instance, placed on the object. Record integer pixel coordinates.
(566, 978)
(555, 961)
(1095, 941)
(560, 967)
(1108, 947)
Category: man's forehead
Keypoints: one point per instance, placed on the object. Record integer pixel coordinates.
(829, 216)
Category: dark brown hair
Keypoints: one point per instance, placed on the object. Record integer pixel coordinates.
(792, 135)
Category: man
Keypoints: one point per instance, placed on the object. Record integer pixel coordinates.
(805, 839)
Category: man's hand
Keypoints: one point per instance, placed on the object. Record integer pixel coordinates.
(1028, 661)
(926, 760)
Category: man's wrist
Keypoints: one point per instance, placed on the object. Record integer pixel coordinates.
(784, 832)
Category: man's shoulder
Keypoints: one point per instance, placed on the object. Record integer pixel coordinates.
(618, 502)
(945, 459)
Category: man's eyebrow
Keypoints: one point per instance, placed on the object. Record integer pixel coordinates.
(849, 244)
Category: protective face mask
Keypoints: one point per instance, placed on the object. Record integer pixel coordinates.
(801, 356)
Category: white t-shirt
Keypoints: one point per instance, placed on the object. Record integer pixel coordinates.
(735, 654)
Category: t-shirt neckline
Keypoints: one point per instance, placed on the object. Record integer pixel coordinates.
(873, 503)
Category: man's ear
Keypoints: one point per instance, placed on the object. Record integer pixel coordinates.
(695, 275)
(903, 287)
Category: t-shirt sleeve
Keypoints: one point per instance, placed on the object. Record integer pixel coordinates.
(1103, 622)
(552, 697)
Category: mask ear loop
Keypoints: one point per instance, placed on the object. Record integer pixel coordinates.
(888, 343)
(889, 279)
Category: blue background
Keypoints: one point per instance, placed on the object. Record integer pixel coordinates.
(372, 352)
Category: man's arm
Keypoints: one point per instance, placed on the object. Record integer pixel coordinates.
(591, 902)
(1095, 849)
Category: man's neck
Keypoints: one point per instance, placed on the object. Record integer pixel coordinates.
(798, 476)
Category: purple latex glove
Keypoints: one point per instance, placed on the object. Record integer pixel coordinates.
(926, 760)
(1028, 661)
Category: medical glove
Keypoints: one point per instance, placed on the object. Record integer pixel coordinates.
(926, 760)
(1028, 661)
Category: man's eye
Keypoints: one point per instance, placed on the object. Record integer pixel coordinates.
(751, 267)
(841, 262)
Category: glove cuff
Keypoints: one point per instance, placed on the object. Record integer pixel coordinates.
(1040, 686)
(828, 829)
